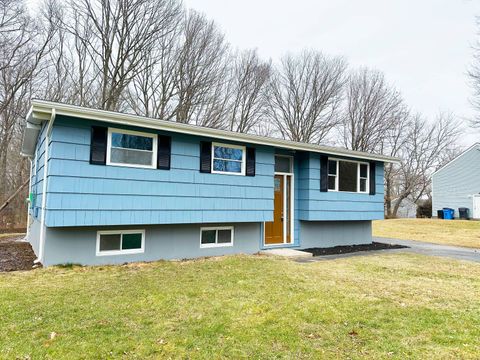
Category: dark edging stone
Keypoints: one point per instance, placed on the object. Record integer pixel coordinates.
(352, 248)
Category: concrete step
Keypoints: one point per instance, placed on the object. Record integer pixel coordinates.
(292, 253)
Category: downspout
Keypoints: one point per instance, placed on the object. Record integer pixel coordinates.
(27, 235)
(41, 245)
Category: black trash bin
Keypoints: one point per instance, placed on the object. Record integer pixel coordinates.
(440, 214)
(464, 213)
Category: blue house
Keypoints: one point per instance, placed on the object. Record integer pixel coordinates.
(108, 187)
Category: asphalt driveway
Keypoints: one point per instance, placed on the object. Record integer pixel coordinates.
(418, 247)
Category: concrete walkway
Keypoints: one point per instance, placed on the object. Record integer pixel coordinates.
(291, 253)
(419, 247)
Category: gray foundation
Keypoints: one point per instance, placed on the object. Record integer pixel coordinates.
(334, 233)
(78, 245)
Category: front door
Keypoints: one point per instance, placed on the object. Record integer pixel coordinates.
(280, 230)
(274, 229)
(476, 207)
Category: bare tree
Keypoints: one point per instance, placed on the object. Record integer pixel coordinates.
(24, 45)
(304, 94)
(116, 34)
(426, 148)
(153, 91)
(372, 109)
(474, 75)
(201, 78)
(249, 76)
(395, 140)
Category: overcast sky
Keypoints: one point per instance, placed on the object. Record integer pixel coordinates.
(424, 47)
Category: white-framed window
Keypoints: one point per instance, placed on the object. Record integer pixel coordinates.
(228, 159)
(348, 176)
(131, 148)
(120, 242)
(216, 236)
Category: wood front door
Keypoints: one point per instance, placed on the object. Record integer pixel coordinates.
(274, 229)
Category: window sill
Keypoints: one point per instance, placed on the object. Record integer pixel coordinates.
(350, 192)
(227, 173)
(131, 165)
(210, 246)
(120, 252)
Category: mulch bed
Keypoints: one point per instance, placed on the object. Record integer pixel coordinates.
(15, 254)
(352, 248)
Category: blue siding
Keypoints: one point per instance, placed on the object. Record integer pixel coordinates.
(315, 205)
(81, 194)
(36, 179)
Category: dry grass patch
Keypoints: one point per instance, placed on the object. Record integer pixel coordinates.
(464, 233)
(379, 306)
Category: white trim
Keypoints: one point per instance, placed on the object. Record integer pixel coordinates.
(41, 109)
(284, 213)
(242, 166)
(216, 244)
(475, 212)
(292, 205)
(458, 157)
(337, 176)
(119, 252)
(154, 137)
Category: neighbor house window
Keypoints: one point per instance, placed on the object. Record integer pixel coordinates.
(118, 242)
(131, 148)
(348, 176)
(216, 236)
(228, 159)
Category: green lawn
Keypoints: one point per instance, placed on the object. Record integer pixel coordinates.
(447, 232)
(379, 306)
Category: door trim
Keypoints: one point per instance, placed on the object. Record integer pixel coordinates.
(292, 202)
(475, 198)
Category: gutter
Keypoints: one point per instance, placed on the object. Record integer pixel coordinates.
(41, 244)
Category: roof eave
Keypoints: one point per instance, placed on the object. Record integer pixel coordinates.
(41, 110)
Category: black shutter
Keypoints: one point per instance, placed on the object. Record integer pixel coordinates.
(372, 177)
(205, 157)
(250, 168)
(163, 152)
(98, 145)
(323, 173)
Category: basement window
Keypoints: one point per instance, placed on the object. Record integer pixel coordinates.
(118, 242)
(216, 236)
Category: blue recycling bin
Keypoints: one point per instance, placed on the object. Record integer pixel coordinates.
(448, 213)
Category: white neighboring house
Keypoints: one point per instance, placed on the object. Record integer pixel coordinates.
(457, 184)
